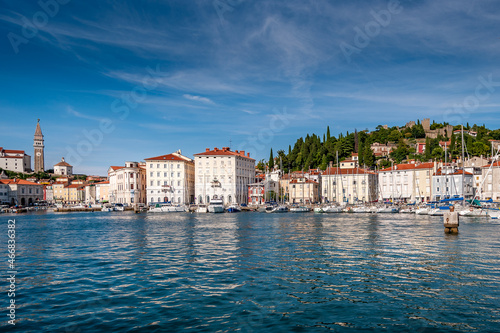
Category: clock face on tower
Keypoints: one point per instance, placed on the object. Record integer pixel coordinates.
(38, 154)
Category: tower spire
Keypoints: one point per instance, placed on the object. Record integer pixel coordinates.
(39, 147)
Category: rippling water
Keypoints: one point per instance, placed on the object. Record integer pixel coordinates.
(98, 272)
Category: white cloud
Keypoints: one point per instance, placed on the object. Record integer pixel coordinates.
(199, 99)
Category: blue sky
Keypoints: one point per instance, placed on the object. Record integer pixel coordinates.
(146, 78)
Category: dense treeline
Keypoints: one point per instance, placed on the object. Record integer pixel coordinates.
(314, 151)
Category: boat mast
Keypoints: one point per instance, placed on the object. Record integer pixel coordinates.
(463, 168)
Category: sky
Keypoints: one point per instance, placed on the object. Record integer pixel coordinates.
(116, 81)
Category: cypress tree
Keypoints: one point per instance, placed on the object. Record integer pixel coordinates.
(271, 161)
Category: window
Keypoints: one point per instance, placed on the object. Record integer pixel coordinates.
(151, 165)
(165, 166)
(157, 183)
(178, 166)
(164, 174)
(178, 174)
(151, 183)
(157, 174)
(151, 174)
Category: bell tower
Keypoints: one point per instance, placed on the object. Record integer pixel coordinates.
(38, 145)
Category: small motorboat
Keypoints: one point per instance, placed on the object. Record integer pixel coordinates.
(233, 209)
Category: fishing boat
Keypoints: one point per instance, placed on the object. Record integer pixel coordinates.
(233, 209)
(216, 206)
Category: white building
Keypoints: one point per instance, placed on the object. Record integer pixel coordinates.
(22, 192)
(447, 183)
(14, 160)
(348, 184)
(63, 168)
(170, 178)
(223, 174)
(409, 182)
(491, 185)
(127, 184)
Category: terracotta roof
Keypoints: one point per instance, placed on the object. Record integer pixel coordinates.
(103, 182)
(354, 161)
(224, 152)
(353, 171)
(458, 172)
(11, 151)
(409, 166)
(20, 157)
(168, 157)
(114, 167)
(308, 181)
(496, 164)
(17, 182)
(74, 186)
(63, 164)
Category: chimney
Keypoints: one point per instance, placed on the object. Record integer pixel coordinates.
(216, 149)
(236, 152)
(207, 150)
(248, 154)
(242, 153)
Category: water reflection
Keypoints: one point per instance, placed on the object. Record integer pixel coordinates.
(256, 272)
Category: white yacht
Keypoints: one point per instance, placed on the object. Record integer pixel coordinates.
(388, 209)
(119, 207)
(300, 209)
(167, 208)
(202, 208)
(216, 206)
(473, 212)
(107, 208)
(332, 209)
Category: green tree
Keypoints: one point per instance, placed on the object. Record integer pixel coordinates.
(271, 161)
(368, 156)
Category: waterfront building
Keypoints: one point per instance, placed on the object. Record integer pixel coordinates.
(348, 184)
(303, 191)
(410, 182)
(102, 191)
(267, 190)
(4, 194)
(48, 193)
(63, 168)
(38, 145)
(59, 191)
(15, 160)
(127, 184)
(90, 194)
(491, 186)
(22, 192)
(448, 182)
(170, 178)
(75, 193)
(223, 174)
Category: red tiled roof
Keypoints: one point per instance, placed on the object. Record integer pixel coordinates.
(410, 166)
(354, 161)
(168, 157)
(103, 182)
(12, 157)
(17, 182)
(62, 164)
(11, 151)
(224, 152)
(496, 164)
(114, 167)
(307, 181)
(352, 171)
(458, 172)
(74, 186)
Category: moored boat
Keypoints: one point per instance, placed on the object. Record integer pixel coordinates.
(233, 209)
(216, 206)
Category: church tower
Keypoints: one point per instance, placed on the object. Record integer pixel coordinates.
(38, 145)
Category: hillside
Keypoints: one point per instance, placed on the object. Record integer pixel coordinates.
(315, 151)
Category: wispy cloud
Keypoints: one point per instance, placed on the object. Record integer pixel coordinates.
(77, 114)
(199, 99)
